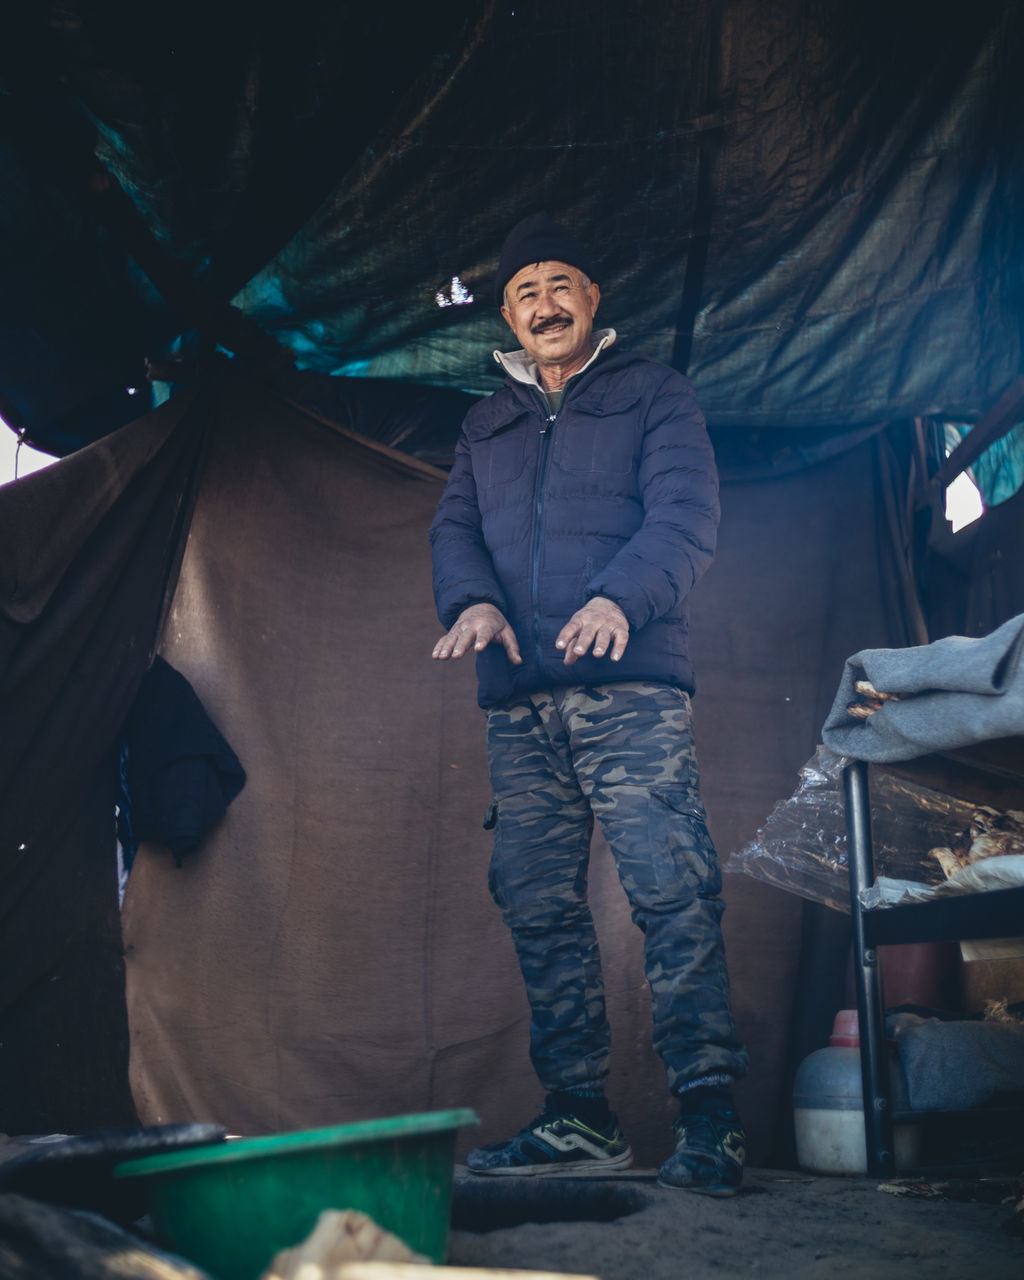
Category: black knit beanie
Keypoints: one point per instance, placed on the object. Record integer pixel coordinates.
(538, 238)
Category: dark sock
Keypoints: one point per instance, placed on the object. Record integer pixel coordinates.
(591, 1108)
(705, 1100)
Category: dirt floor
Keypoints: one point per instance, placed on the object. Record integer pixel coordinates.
(781, 1224)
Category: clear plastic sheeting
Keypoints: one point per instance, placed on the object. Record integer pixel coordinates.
(802, 846)
(1005, 872)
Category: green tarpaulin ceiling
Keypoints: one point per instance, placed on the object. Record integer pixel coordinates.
(815, 207)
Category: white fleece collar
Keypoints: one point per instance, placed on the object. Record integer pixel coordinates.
(521, 367)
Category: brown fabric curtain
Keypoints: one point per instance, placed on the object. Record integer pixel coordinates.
(332, 953)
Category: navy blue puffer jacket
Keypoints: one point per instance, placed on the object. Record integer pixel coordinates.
(616, 496)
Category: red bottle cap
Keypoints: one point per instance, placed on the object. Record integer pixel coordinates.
(845, 1030)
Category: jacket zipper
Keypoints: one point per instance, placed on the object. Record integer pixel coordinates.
(538, 514)
(538, 509)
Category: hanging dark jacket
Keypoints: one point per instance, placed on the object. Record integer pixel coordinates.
(616, 495)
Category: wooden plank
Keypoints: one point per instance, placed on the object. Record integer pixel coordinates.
(996, 914)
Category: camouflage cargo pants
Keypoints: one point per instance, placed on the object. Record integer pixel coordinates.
(622, 754)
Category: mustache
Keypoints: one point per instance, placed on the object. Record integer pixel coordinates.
(543, 325)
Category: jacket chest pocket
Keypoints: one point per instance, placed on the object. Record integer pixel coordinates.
(594, 444)
(500, 458)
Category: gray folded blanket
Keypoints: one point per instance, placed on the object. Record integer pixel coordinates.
(953, 693)
(951, 1066)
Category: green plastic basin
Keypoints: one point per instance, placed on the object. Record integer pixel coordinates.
(231, 1206)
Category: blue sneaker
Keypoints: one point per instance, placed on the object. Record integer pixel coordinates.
(555, 1144)
(709, 1154)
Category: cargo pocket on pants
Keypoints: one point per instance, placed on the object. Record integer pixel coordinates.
(683, 856)
(503, 816)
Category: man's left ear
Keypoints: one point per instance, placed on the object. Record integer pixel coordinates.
(594, 293)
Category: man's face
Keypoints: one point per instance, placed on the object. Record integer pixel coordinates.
(551, 312)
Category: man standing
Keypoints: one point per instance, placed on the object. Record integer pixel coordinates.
(581, 509)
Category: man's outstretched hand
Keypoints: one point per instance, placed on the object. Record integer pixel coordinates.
(475, 628)
(599, 623)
